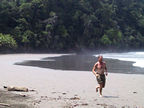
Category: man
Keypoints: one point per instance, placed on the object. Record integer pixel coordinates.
(99, 70)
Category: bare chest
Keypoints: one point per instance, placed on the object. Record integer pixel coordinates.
(100, 66)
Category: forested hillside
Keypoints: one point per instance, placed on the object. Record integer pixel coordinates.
(71, 24)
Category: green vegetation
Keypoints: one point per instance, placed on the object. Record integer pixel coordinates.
(6, 41)
(71, 24)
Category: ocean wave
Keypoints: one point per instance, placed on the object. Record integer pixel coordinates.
(136, 57)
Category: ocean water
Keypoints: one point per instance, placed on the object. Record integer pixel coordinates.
(136, 57)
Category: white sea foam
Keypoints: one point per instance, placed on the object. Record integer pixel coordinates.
(136, 57)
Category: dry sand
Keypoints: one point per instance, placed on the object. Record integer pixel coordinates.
(69, 89)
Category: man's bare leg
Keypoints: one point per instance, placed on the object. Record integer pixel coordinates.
(101, 86)
(97, 88)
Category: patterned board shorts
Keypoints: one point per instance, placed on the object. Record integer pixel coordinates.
(101, 79)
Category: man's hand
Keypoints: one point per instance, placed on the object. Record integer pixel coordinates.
(96, 75)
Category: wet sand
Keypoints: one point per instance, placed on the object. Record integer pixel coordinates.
(69, 89)
(82, 63)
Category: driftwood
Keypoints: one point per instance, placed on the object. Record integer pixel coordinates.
(11, 88)
(4, 104)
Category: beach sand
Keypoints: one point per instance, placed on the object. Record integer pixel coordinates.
(69, 89)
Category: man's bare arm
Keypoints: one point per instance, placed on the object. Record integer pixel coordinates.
(106, 69)
(94, 68)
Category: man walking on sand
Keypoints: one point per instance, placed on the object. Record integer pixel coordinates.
(99, 70)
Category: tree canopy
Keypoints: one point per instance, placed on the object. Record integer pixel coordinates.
(71, 24)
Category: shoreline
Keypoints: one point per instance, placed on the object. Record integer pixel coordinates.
(58, 88)
(77, 51)
(74, 62)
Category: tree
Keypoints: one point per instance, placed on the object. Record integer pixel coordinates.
(73, 24)
(105, 40)
(7, 42)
